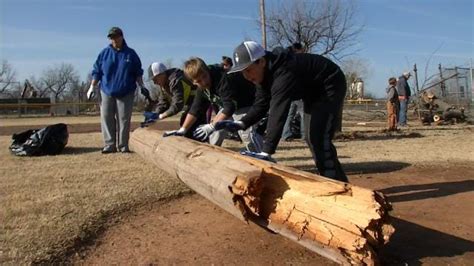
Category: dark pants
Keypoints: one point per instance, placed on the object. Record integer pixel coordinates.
(321, 122)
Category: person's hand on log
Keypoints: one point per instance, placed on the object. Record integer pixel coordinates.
(150, 117)
(259, 155)
(203, 132)
(230, 125)
(180, 132)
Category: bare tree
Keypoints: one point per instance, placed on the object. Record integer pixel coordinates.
(7, 76)
(354, 68)
(59, 79)
(326, 27)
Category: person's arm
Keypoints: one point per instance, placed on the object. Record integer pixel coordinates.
(163, 101)
(188, 122)
(259, 109)
(177, 100)
(283, 86)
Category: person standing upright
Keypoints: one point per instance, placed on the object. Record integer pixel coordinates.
(117, 71)
(393, 105)
(404, 94)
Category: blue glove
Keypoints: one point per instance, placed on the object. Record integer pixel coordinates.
(150, 117)
(180, 132)
(203, 132)
(259, 155)
(232, 126)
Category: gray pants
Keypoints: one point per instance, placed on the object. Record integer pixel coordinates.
(116, 115)
(251, 139)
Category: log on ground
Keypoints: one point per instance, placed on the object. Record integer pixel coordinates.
(343, 222)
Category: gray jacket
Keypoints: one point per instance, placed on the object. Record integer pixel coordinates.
(403, 88)
(178, 94)
(392, 95)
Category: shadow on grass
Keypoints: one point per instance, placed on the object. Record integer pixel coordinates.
(362, 168)
(412, 242)
(424, 191)
(80, 150)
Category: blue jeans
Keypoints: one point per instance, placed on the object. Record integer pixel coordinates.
(296, 107)
(402, 115)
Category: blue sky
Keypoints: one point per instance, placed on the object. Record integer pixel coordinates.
(37, 34)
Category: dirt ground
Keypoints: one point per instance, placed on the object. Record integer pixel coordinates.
(433, 218)
(428, 177)
(427, 173)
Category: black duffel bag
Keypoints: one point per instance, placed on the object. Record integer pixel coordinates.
(50, 140)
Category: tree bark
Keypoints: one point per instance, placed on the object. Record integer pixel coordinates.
(345, 223)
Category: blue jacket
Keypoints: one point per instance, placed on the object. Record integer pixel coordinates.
(117, 71)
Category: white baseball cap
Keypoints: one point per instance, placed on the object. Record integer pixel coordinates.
(245, 54)
(155, 69)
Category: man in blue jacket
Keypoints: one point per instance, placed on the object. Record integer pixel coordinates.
(118, 69)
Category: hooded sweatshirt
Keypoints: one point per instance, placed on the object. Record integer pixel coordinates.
(117, 70)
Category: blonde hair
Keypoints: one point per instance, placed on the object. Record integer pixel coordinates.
(194, 67)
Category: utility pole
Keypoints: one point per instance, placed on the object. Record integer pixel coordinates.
(263, 24)
(442, 85)
(472, 83)
(416, 79)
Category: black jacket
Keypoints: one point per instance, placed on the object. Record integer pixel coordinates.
(290, 77)
(228, 92)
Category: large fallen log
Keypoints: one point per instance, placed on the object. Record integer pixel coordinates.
(345, 223)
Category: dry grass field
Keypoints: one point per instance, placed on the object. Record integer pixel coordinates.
(117, 207)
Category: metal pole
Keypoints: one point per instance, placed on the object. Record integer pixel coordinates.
(457, 86)
(443, 86)
(416, 79)
(472, 83)
(263, 23)
(418, 100)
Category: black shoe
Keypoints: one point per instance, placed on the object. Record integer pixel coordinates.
(108, 150)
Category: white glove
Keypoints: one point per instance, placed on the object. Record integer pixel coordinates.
(91, 92)
(203, 132)
(179, 132)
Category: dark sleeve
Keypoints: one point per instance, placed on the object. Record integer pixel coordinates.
(281, 92)
(407, 89)
(227, 92)
(177, 99)
(200, 104)
(259, 108)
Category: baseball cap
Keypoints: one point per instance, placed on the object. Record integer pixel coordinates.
(245, 54)
(114, 31)
(155, 69)
(406, 73)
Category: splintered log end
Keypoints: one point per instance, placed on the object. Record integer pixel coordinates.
(247, 190)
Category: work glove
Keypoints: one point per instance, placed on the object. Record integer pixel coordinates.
(150, 117)
(91, 92)
(232, 126)
(146, 93)
(203, 132)
(259, 155)
(179, 132)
